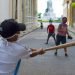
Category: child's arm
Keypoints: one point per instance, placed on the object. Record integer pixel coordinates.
(36, 52)
(54, 28)
(67, 32)
(47, 28)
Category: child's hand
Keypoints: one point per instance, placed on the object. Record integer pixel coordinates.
(36, 52)
(32, 49)
(41, 51)
(69, 37)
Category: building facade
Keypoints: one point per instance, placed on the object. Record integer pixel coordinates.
(69, 11)
(21, 10)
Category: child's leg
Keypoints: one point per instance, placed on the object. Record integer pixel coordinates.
(65, 50)
(58, 40)
(63, 42)
(48, 38)
(53, 35)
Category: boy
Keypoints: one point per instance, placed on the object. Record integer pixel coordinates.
(10, 50)
(61, 34)
(41, 25)
(50, 31)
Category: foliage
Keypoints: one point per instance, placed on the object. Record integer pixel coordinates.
(39, 15)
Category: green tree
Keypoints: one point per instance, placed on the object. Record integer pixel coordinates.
(39, 15)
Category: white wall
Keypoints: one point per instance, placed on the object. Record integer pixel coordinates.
(4, 9)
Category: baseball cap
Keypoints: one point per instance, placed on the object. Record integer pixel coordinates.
(9, 27)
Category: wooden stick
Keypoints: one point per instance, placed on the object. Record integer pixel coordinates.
(61, 46)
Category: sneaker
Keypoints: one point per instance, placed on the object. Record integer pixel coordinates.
(66, 54)
(46, 43)
(55, 53)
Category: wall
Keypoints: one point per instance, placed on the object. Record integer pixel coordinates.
(4, 10)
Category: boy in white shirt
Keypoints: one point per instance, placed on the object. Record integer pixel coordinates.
(10, 50)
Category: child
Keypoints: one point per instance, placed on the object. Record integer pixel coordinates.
(41, 25)
(50, 31)
(10, 50)
(61, 34)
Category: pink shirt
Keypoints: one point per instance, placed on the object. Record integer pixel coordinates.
(62, 29)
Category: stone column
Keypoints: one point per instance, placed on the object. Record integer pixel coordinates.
(35, 11)
(19, 9)
(4, 10)
(34, 7)
(11, 8)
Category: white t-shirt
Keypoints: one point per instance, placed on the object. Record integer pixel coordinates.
(10, 53)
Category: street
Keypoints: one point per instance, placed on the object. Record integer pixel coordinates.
(47, 64)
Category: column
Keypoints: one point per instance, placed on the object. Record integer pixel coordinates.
(19, 9)
(11, 8)
(4, 10)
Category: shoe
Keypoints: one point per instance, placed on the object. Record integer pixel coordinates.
(46, 43)
(55, 53)
(66, 54)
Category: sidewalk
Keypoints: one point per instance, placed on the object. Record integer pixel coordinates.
(72, 29)
(28, 31)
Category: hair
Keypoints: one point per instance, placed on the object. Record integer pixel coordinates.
(50, 20)
(64, 18)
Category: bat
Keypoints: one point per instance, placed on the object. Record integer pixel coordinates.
(61, 46)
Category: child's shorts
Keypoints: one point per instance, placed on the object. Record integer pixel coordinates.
(60, 39)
